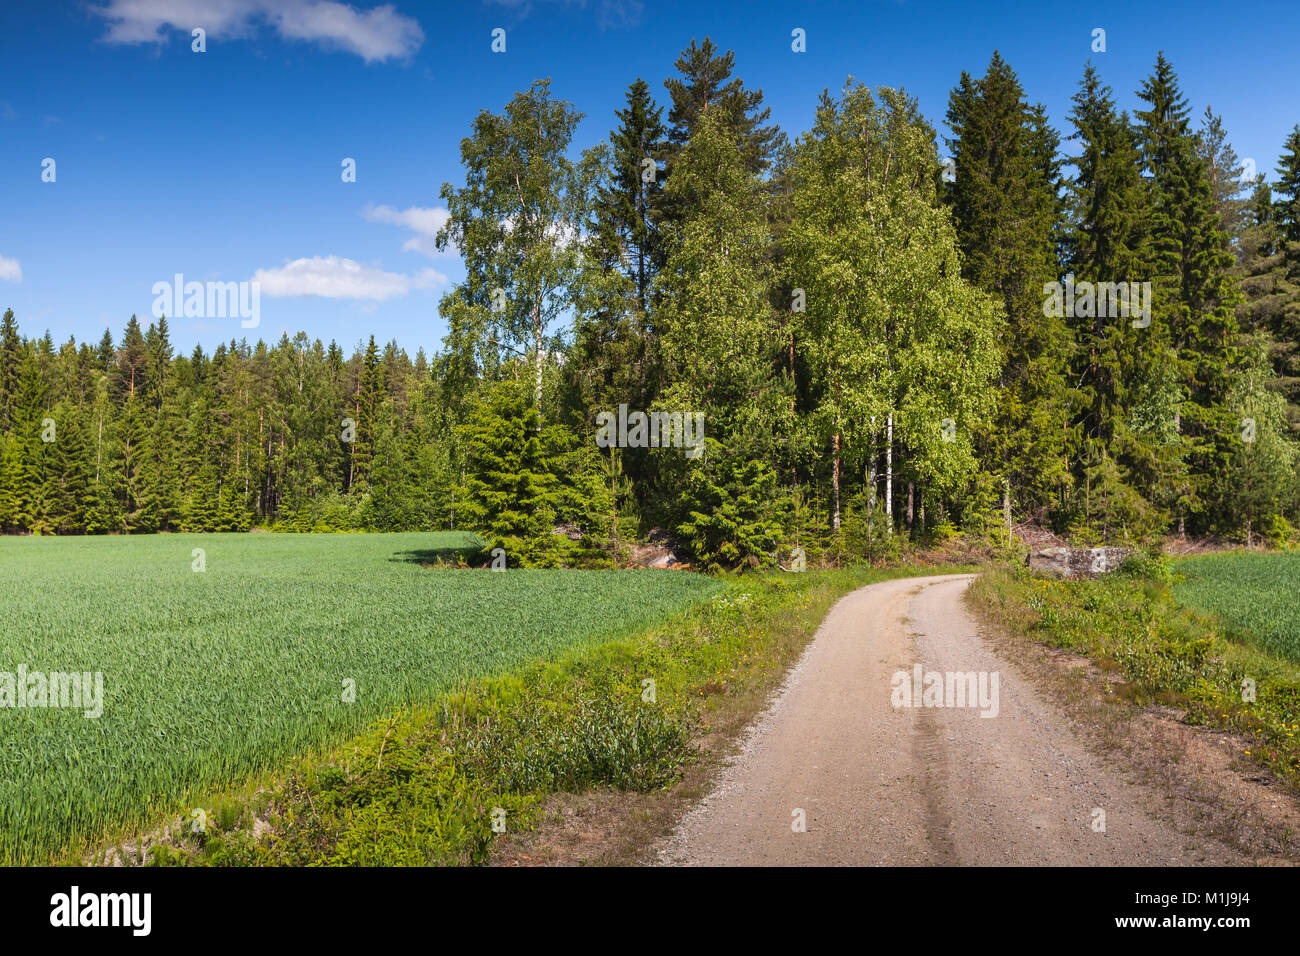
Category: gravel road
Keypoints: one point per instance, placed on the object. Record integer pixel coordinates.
(920, 785)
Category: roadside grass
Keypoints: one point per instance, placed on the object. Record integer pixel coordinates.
(1152, 651)
(630, 716)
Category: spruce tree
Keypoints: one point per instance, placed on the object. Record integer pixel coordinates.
(1005, 200)
(1195, 295)
(11, 351)
(1286, 218)
(1114, 363)
(511, 491)
(613, 353)
(1270, 297)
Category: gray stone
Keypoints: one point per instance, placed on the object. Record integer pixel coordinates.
(1077, 562)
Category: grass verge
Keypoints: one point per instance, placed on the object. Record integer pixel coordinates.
(1166, 685)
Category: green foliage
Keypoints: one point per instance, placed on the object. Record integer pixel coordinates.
(729, 519)
(512, 490)
(512, 223)
(843, 312)
(608, 737)
(1006, 211)
(435, 784)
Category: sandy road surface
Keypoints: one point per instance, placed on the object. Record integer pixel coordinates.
(889, 785)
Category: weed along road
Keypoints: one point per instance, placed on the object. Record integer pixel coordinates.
(902, 738)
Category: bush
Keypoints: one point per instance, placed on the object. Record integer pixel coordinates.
(1150, 565)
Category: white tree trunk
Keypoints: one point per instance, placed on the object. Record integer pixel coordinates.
(835, 483)
(541, 357)
(889, 470)
(871, 468)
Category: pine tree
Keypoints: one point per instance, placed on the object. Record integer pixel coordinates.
(706, 84)
(1225, 171)
(131, 361)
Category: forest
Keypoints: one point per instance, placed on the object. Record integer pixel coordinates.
(888, 336)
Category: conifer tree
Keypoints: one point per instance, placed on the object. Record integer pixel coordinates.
(613, 356)
(511, 492)
(1225, 171)
(1004, 202)
(1194, 292)
(705, 84)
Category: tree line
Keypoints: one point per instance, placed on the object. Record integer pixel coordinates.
(1095, 328)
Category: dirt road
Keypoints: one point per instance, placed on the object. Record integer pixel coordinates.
(877, 783)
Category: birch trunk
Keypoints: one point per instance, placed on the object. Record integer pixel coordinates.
(871, 468)
(889, 471)
(835, 483)
(537, 342)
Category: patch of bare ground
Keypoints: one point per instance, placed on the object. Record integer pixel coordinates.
(1208, 784)
(1183, 547)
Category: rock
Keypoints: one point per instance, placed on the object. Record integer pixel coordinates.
(1077, 562)
(660, 551)
(569, 531)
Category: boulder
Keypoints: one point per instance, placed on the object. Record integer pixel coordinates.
(1077, 562)
(659, 551)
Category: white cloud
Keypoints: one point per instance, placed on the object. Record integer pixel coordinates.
(10, 270)
(422, 221)
(333, 277)
(612, 14)
(378, 34)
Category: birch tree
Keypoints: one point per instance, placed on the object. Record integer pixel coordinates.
(516, 223)
(898, 341)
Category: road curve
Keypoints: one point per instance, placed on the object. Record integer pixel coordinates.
(928, 785)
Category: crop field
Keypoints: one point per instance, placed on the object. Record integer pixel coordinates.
(279, 644)
(1257, 594)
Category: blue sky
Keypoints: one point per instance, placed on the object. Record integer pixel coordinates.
(225, 165)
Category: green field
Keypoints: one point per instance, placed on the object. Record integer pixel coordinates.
(1257, 595)
(210, 676)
